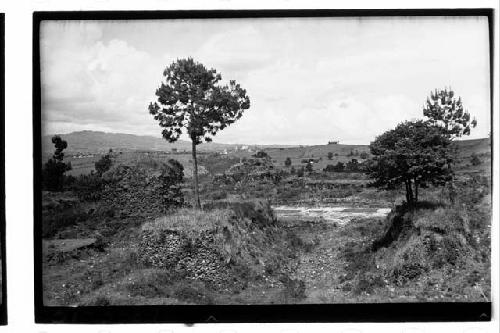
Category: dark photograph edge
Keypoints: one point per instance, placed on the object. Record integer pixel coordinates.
(3, 306)
(379, 312)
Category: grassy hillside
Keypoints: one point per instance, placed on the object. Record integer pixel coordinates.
(85, 148)
(95, 142)
(113, 250)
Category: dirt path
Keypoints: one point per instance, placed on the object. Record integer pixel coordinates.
(321, 268)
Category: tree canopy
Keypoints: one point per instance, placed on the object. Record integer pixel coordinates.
(191, 99)
(415, 154)
(53, 171)
(444, 110)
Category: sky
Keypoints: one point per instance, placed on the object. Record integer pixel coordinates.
(310, 80)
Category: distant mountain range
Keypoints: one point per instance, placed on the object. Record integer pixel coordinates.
(100, 142)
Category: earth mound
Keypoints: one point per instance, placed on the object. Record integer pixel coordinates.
(221, 246)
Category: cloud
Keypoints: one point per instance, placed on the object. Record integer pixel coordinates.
(89, 82)
(309, 80)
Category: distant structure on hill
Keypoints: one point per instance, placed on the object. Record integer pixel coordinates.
(333, 142)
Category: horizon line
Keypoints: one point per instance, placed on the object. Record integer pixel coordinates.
(241, 144)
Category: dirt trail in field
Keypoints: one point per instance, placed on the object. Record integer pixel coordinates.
(322, 267)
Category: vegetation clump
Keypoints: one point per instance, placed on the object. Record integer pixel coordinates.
(213, 245)
(53, 171)
(191, 98)
(104, 163)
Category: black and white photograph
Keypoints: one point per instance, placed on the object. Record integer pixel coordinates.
(279, 158)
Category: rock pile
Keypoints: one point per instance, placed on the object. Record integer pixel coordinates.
(134, 190)
(211, 245)
(198, 259)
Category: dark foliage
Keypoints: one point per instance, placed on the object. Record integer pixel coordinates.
(300, 172)
(171, 178)
(89, 187)
(414, 154)
(475, 160)
(53, 171)
(191, 99)
(339, 167)
(261, 154)
(104, 164)
(444, 110)
(352, 165)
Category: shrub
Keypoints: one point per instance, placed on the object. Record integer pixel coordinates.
(330, 155)
(475, 160)
(53, 175)
(363, 155)
(171, 179)
(103, 164)
(300, 172)
(89, 187)
(339, 167)
(309, 167)
(53, 171)
(352, 165)
(261, 154)
(288, 162)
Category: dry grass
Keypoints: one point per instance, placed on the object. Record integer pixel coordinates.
(186, 220)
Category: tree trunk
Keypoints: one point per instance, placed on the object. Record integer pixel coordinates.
(416, 191)
(409, 192)
(406, 192)
(195, 176)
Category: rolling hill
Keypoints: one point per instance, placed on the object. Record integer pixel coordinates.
(100, 142)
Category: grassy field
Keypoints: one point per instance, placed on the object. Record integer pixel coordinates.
(438, 251)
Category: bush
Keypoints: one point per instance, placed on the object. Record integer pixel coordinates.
(288, 162)
(261, 154)
(339, 167)
(352, 165)
(363, 155)
(53, 171)
(330, 155)
(171, 179)
(300, 172)
(89, 187)
(53, 175)
(475, 160)
(104, 164)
